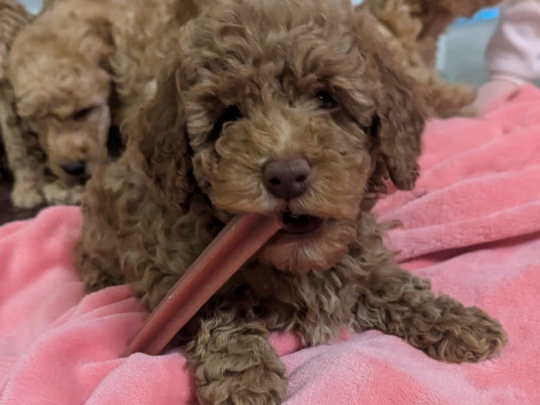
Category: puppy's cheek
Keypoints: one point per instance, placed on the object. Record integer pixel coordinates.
(53, 163)
(236, 187)
(57, 171)
(96, 151)
(318, 254)
(100, 145)
(337, 186)
(55, 168)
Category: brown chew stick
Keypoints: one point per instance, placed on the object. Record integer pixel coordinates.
(234, 245)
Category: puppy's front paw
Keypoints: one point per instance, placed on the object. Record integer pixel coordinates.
(467, 334)
(59, 194)
(235, 364)
(257, 386)
(26, 195)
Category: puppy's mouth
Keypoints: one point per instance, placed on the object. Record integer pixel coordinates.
(301, 225)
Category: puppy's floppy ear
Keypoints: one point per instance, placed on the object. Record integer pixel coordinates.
(158, 132)
(402, 115)
(400, 104)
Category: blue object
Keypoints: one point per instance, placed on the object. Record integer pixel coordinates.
(483, 15)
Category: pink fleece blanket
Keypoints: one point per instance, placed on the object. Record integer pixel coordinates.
(472, 226)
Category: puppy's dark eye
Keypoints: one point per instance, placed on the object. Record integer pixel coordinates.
(231, 114)
(82, 114)
(325, 100)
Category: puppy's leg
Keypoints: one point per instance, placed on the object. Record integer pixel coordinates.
(58, 193)
(234, 363)
(398, 303)
(26, 188)
(448, 100)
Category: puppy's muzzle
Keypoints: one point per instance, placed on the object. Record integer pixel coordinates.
(287, 179)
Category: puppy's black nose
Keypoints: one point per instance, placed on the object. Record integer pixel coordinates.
(287, 179)
(76, 168)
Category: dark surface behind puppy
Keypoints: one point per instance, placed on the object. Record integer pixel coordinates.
(9, 213)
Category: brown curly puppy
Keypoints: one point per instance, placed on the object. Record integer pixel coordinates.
(295, 109)
(412, 29)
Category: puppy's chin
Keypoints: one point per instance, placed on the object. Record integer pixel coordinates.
(301, 254)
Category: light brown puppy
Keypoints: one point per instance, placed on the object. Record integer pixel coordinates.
(58, 67)
(294, 109)
(64, 79)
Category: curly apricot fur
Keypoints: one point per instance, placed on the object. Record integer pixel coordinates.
(149, 215)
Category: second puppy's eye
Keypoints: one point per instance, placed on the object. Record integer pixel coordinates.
(230, 115)
(325, 100)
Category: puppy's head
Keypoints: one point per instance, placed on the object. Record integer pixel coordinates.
(290, 108)
(62, 89)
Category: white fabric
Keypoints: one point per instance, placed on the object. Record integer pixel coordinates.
(513, 52)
